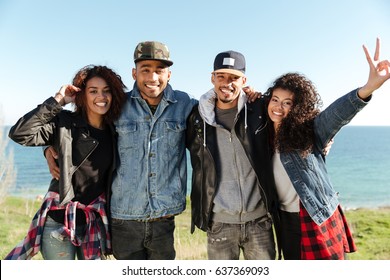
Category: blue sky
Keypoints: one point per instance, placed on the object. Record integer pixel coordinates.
(44, 42)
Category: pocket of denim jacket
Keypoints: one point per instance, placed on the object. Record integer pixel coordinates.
(127, 133)
(175, 133)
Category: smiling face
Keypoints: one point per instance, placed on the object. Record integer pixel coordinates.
(152, 77)
(280, 105)
(97, 99)
(227, 87)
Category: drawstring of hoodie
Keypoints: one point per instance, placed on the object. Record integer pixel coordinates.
(204, 133)
(246, 116)
(207, 105)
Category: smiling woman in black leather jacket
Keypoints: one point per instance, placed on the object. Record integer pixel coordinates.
(73, 217)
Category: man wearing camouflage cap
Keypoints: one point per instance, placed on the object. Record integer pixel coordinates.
(151, 182)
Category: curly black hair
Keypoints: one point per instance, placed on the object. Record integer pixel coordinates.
(296, 131)
(113, 80)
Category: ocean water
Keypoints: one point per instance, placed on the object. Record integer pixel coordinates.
(358, 164)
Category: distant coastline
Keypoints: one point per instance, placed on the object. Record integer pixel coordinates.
(358, 165)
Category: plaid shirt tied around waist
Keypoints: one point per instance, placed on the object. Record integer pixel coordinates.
(328, 241)
(90, 243)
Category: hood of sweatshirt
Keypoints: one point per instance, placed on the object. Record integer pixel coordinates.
(207, 103)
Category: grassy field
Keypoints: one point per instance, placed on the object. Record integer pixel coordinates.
(371, 230)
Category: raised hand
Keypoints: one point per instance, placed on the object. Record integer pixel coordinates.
(379, 72)
(66, 94)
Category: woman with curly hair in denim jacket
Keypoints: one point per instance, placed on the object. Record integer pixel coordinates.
(312, 220)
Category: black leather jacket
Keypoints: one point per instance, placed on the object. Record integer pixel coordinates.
(68, 133)
(255, 140)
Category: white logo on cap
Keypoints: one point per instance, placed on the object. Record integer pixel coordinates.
(228, 61)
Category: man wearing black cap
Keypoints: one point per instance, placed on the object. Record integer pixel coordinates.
(233, 192)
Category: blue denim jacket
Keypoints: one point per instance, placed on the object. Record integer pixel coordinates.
(309, 176)
(151, 179)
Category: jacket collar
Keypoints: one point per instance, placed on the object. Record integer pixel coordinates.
(78, 120)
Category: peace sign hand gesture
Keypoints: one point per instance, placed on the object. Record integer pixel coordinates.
(379, 73)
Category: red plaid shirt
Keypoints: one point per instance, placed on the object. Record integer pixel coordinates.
(90, 244)
(329, 241)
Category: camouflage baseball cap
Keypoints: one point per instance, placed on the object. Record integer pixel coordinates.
(152, 50)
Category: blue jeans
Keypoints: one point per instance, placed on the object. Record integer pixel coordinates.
(143, 240)
(254, 238)
(55, 246)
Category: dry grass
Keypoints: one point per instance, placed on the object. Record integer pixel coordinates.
(189, 246)
(371, 230)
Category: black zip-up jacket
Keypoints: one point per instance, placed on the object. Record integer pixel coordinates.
(67, 132)
(254, 139)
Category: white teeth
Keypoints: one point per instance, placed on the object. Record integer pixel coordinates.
(226, 91)
(151, 86)
(277, 113)
(101, 104)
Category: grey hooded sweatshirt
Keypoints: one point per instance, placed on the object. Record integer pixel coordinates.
(238, 198)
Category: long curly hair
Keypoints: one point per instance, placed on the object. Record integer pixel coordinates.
(296, 131)
(113, 80)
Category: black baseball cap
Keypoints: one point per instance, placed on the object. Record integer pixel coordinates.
(230, 62)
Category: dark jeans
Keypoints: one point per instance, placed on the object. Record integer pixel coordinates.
(142, 240)
(291, 235)
(255, 239)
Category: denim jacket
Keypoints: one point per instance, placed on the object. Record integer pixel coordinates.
(309, 175)
(151, 178)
